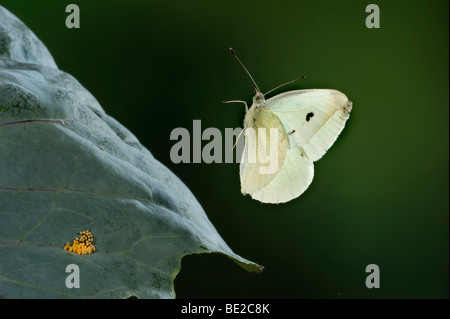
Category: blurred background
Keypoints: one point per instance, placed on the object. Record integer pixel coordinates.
(380, 194)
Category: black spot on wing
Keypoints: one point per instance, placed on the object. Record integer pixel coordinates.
(309, 116)
(291, 132)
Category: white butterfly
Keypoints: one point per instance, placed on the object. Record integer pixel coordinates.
(308, 123)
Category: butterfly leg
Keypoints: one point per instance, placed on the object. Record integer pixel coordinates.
(238, 101)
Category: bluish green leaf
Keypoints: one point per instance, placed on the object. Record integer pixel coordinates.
(66, 166)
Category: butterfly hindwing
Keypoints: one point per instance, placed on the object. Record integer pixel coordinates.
(292, 180)
(258, 167)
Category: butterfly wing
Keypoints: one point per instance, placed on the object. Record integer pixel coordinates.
(292, 179)
(313, 118)
(258, 167)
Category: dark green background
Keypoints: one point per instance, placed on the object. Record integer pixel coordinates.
(380, 195)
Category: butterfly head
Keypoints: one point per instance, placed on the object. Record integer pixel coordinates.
(258, 99)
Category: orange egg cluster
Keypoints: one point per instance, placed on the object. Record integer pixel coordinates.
(82, 245)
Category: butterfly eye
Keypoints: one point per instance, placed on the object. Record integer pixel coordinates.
(258, 98)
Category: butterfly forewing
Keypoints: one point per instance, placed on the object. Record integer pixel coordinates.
(315, 117)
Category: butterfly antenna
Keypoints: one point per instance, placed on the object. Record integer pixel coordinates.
(300, 77)
(235, 55)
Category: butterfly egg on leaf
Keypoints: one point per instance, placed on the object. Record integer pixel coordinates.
(82, 245)
(296, 128)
